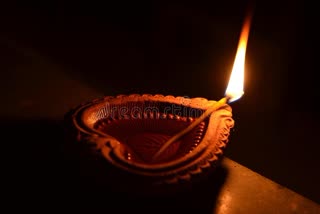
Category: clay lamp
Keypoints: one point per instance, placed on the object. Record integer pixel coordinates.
(154, 143)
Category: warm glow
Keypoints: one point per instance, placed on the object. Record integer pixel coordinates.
(235, 87)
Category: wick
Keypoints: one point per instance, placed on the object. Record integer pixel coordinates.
(211, 109)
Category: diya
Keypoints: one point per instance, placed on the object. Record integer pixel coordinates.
(119, 136)
(153, 143)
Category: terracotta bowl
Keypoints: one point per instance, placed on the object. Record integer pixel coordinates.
(115, 139)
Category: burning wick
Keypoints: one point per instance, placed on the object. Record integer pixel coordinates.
(233, 92)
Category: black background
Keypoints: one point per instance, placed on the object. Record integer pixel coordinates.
(56, 54)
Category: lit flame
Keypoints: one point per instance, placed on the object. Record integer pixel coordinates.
(235, 86)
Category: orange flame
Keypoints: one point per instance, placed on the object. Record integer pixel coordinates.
(235, 86)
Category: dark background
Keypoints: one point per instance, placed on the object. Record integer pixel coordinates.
(57, 54)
